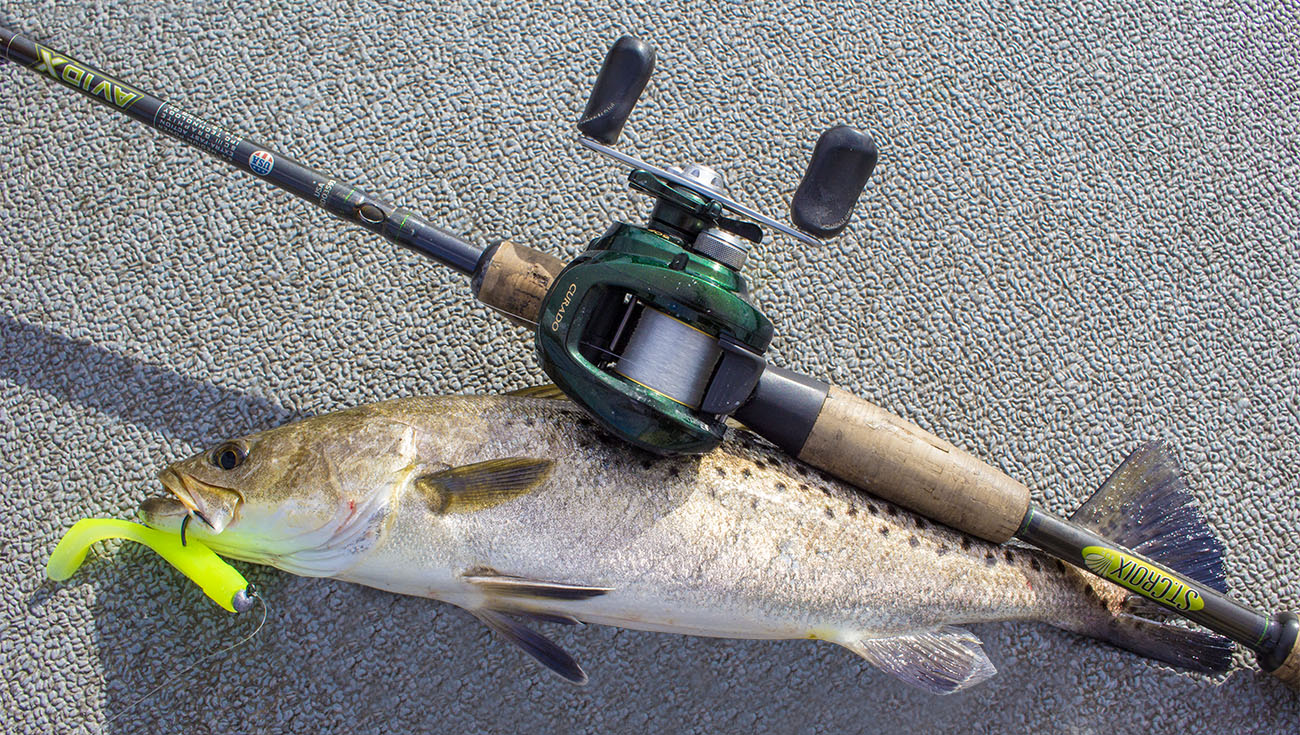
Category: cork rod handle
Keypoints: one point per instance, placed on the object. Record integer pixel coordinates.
(514, 279)
(901, 462)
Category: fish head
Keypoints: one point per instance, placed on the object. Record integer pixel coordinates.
(211, 484)
(292, 493)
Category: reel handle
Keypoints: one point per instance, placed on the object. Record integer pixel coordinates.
(841, 163)
(622, 77)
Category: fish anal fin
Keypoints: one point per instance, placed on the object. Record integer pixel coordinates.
(547, 390)
(483, 485)
(941, 661)
(534, 644)
(1146, 507)
(497, 585)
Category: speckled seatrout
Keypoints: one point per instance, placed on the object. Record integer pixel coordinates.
(519, 510)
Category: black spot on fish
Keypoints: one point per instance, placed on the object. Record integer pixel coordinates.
(647, 464)
(674, 471)
(748, 472)
(891, 510)
(943, 549)
(721, 472)
(825, 490)
(1008, 556)
(530, 421)
(965, 543)
(873, 510)
(754, 503)
(829, 513)
(803, 471)
(1033, 564)
(1060, 567)
(920, 523)
(780, 487)
(912, 541)
(884, 530)
(990, 558)
(853, 510)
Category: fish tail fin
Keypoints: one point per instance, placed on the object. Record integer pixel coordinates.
(1145, 506)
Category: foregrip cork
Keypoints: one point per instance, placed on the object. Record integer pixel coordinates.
(514, 279)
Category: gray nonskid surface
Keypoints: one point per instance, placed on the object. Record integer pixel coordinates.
(1082, 234)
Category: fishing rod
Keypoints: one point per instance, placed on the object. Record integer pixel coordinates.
(652, 330)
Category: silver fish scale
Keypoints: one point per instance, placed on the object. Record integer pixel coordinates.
(743, 542)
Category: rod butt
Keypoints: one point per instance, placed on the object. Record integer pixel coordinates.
(1284, 661)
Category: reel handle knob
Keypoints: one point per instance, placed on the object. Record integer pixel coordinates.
(841, 163)
(622, 77)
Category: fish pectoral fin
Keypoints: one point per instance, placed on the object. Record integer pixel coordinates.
(496, 585)
(482, 485)
(943, 661)
(534, 644)
(546, 390)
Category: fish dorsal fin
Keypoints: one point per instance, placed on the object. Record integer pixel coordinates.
(1145, 506)
(482, 485)
(534, 644)
(498, 585)
(942, 661)
(547, 390)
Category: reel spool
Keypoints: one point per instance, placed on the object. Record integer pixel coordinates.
(670, 357)
(651, 329)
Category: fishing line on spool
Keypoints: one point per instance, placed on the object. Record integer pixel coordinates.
(176, 676)
(670, 357)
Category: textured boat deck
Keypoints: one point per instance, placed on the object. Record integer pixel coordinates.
(1083, 232)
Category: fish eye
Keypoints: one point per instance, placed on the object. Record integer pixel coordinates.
(228, 456)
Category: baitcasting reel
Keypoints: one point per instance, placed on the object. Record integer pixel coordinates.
(651, 329)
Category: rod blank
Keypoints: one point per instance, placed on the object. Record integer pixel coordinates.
(340, 198)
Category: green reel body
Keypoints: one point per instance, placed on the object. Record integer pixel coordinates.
(603, 297)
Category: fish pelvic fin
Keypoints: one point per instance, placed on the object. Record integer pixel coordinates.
(482, 485)
(534, 644)
(508, 587)
(940, 661)
(1145, 506)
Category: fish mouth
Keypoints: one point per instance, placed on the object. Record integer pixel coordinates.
(175, 484)
(187, 499)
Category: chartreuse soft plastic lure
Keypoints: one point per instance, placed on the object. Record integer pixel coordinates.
(220, 581)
